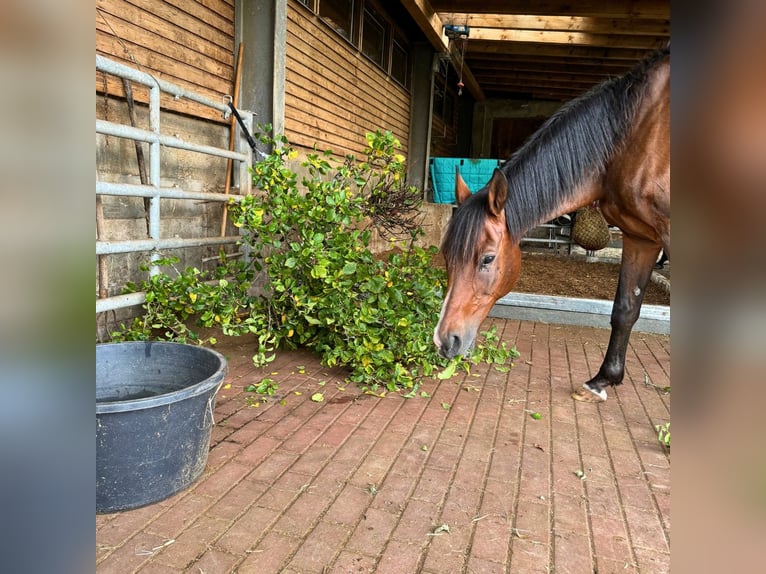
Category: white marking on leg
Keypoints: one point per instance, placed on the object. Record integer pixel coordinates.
(601, 393)
(637, 291)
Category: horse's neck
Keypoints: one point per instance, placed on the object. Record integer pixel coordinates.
(587, 192)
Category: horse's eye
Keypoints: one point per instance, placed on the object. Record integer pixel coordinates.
(487, 259)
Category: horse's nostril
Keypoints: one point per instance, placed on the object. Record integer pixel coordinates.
(451, 346)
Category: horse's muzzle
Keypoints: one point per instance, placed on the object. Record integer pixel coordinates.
(450, 347)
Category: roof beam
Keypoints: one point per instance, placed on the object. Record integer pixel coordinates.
(630, 26)
(572, 38)
(654, 9)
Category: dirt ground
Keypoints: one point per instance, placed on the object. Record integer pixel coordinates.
(566, 276)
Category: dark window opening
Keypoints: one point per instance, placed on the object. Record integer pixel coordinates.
(399, 63)
(372, 29)
(374, 37)
(339, 14)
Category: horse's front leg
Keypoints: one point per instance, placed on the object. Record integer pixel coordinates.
(638, 259)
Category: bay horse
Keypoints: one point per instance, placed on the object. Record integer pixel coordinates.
(610, 145)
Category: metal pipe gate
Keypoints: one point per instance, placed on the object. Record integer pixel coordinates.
(154, 191)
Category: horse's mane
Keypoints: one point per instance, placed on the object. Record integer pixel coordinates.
(575, 143)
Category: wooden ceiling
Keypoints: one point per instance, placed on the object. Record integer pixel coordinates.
(544, 49)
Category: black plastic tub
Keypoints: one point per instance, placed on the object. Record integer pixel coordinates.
(154, 415)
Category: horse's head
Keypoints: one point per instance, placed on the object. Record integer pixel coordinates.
(483, 263)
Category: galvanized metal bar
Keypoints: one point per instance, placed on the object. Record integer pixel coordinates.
(129, 132)
(136, 190)
(135, 245)
(120, 301)
(118, 69)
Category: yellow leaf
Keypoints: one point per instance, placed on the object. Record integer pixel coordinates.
(192, 297)
(227, 386)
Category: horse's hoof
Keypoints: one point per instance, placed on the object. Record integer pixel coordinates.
(587, 395)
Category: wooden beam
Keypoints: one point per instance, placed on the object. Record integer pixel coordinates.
(657, 9)
(554, 50)
(571, 38)
(429, 22)
(628, 26)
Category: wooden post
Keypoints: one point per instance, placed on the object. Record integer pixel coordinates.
(232, 137)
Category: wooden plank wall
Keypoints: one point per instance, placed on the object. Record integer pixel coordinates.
(333, 94)
(187, 42)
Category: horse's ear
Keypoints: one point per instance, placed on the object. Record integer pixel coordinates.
(462, 191)
(497, 193)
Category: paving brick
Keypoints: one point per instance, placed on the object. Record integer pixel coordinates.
(497, 499)
(372, 471)
(479, 566)
(221, 453)
(220, 482)
(635, 492)
(432, 486)
(351, 563)
(134, 552)
(394, 492)
(570, 512)
(461, 505)
(646, 530)
(572, 554)
(269, 555)
(469, 474)
(125, 524)
(271, 468)
(372, 532)
(180, 515)
(237, 500)
(532, 521)
(652, 562)
(417, 520)
(410, 461)
(350, 505)
(257, 451)
(300, 518)
(246, 530)
(248, 432)
(192, 542)
(332, 478)
(610, 540)
(607, 566)
(444, 456)
(214, 561)
(529, 556)
(336, 435)
(320, 548)
(663, 503)
(399, 557)
(491, 539)
(355, 447)
(448, 552)
(156, 568)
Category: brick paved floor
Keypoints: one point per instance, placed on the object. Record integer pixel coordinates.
(358, 483)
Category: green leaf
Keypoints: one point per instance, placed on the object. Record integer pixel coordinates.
(349, 268)
(448, 371)
(317, 397)
(536, 416)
